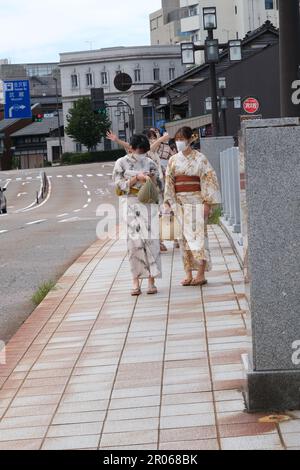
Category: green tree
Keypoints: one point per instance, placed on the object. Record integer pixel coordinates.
(85, 126)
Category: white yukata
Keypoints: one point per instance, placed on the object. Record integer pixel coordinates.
(143, 249)
(188, 205)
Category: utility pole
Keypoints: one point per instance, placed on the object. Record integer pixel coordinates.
(289, 46)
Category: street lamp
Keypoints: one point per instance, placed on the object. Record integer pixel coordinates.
(211, 51)
(209, 18)
(145, 102)
(187, 53)
(237, 102)
(222, 83)
(223, 103)
(235, 50)
(208, 104)
(163, 100)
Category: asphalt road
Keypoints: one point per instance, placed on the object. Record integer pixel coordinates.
(38, 243)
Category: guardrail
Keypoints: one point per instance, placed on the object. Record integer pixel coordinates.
(40, 196)
(231, 187)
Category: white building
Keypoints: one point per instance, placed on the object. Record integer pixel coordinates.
(81, 71)
(235, 19)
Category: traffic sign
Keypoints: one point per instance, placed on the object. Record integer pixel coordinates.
(17, 99)
(251, 105)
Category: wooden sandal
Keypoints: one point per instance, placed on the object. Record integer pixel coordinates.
(152, 290)
(198, 283)
(136, 292)
(187, 282)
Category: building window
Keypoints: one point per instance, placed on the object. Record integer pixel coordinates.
(156, 74)
(104, 78)
(154, 24)
(195, 37)
(269, 4)
(148, 117)
(89, 79)
(137, 75)
(171, 73)
(193, 10)
(74, 81)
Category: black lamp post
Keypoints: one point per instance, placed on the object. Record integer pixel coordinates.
(212, 57)
(211, 48)
(289, 46)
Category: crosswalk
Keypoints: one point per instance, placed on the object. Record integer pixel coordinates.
(69, 176)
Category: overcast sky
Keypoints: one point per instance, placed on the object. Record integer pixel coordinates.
(38, 30)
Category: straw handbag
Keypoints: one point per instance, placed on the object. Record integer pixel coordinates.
(170, 229)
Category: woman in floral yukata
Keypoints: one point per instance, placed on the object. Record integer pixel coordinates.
(129, 174)
(192, 189)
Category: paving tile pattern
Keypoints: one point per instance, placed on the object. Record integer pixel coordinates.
(94, 368)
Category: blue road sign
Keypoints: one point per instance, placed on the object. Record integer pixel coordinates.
(17, 99)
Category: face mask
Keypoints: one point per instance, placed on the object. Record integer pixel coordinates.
(181, 145)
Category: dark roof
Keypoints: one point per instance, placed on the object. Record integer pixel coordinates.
(6, 123)
(254, 42)
(39, 128)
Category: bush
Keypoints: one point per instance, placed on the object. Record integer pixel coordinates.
(214, 219)
(92, 157)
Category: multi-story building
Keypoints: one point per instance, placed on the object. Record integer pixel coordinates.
(147, 65)
(235, 19)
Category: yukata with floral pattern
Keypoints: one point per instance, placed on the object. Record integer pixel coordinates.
(143, 248)
(186, 204)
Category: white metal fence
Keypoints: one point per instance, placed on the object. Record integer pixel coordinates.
(231, 184)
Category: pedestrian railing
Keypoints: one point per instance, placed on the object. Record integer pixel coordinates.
(231, 187)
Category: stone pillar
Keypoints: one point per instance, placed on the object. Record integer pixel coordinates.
(272, 162)
(212, 147)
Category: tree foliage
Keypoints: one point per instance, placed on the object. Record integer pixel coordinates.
(85, 126)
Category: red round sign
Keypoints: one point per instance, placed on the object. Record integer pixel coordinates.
(251, 105)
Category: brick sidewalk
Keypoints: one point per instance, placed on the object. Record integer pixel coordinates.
(94, 368)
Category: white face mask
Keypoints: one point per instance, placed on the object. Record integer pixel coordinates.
(181, 145)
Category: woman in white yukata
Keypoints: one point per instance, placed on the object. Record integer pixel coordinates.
(129, 174)
(191, 190)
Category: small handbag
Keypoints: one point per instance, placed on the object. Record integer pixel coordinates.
(170, 229)
(148, 194)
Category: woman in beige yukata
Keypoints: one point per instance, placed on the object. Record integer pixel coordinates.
(191, 191)
(130, 173)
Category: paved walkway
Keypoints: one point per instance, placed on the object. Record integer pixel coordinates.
(94, 368)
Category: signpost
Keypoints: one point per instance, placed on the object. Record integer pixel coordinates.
(17, 99)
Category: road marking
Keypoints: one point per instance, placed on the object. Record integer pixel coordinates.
(58, 176)
(29, 177)
(21, 194)
(62, 215)
(77, 210)
(99, 174)
(88, 193)
(3, 231)
(85, 206)
(69, 176)
(108, 174)
(73, 219)
(79, 176)
(89, 176)
(85, 186)
(18, 179)
(36, 222)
